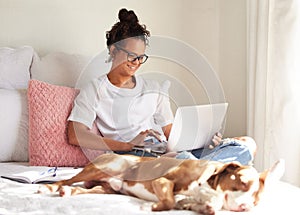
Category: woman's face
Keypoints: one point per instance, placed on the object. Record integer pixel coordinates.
(125, 54)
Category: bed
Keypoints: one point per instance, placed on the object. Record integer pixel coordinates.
(19, 198)
(38, 93)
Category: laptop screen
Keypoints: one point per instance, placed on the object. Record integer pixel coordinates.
(194, 126)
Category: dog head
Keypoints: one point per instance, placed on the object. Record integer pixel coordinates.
(240, 186)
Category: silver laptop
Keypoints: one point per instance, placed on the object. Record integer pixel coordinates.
(194, 126)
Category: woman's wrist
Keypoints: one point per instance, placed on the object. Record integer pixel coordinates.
(128, 146)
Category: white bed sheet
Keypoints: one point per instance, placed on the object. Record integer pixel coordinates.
(18, 198)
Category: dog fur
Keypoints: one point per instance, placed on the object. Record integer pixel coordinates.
(198, 185)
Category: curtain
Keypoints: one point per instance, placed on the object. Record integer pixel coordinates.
(273, 65)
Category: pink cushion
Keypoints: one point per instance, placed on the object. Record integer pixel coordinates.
(49, 107)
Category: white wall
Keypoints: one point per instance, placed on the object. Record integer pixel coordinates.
(216, 28)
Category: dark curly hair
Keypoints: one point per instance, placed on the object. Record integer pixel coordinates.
(127, 27)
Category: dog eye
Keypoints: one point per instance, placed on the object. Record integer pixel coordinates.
(232, 177)
(245, 186)
(234, 189)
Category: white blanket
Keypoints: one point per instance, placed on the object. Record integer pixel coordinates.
(18, 198)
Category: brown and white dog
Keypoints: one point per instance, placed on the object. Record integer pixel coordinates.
(198, 185)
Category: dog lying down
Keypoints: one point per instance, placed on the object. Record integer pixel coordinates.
(198, 185)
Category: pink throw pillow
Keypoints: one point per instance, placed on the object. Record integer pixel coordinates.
(49, 107)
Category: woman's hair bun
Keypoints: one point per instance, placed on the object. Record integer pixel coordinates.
(127, 16)
(127, 27)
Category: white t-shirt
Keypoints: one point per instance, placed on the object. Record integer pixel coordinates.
(121, 113)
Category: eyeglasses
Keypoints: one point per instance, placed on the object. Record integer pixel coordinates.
(131, 57)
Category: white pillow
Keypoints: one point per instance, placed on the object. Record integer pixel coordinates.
(58, 68)
(14, 125)
(14, 67)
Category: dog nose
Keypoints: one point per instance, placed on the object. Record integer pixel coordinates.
(243, 207)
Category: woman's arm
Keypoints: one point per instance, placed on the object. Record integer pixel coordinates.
(80, 135)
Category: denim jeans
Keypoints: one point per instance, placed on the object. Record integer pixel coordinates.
(227, 151)
(139, 153)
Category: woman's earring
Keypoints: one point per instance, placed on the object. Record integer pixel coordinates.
(109, 59)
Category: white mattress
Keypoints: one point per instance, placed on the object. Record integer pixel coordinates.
(18, 198)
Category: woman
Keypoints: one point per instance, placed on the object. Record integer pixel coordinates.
(126, 108)
(123, 105)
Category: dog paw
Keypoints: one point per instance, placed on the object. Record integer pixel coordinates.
(201, 208)
(43, 189)
(164, 205)
(207, 210)
(116, 183)
(147, 206)
(65, 191)
(47, 189)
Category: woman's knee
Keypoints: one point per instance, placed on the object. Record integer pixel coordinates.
(249, 142)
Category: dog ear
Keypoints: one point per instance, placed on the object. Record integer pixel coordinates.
(207, 172)
(277, 170)
(272, 175)
(268, 177)
(262, 178)
(229, 167)
(219, 168)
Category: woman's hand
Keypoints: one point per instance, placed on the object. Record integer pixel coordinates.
(139, 139)
(217, 139)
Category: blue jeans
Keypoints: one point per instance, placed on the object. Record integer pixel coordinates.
(228, 151)
(139, 153)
